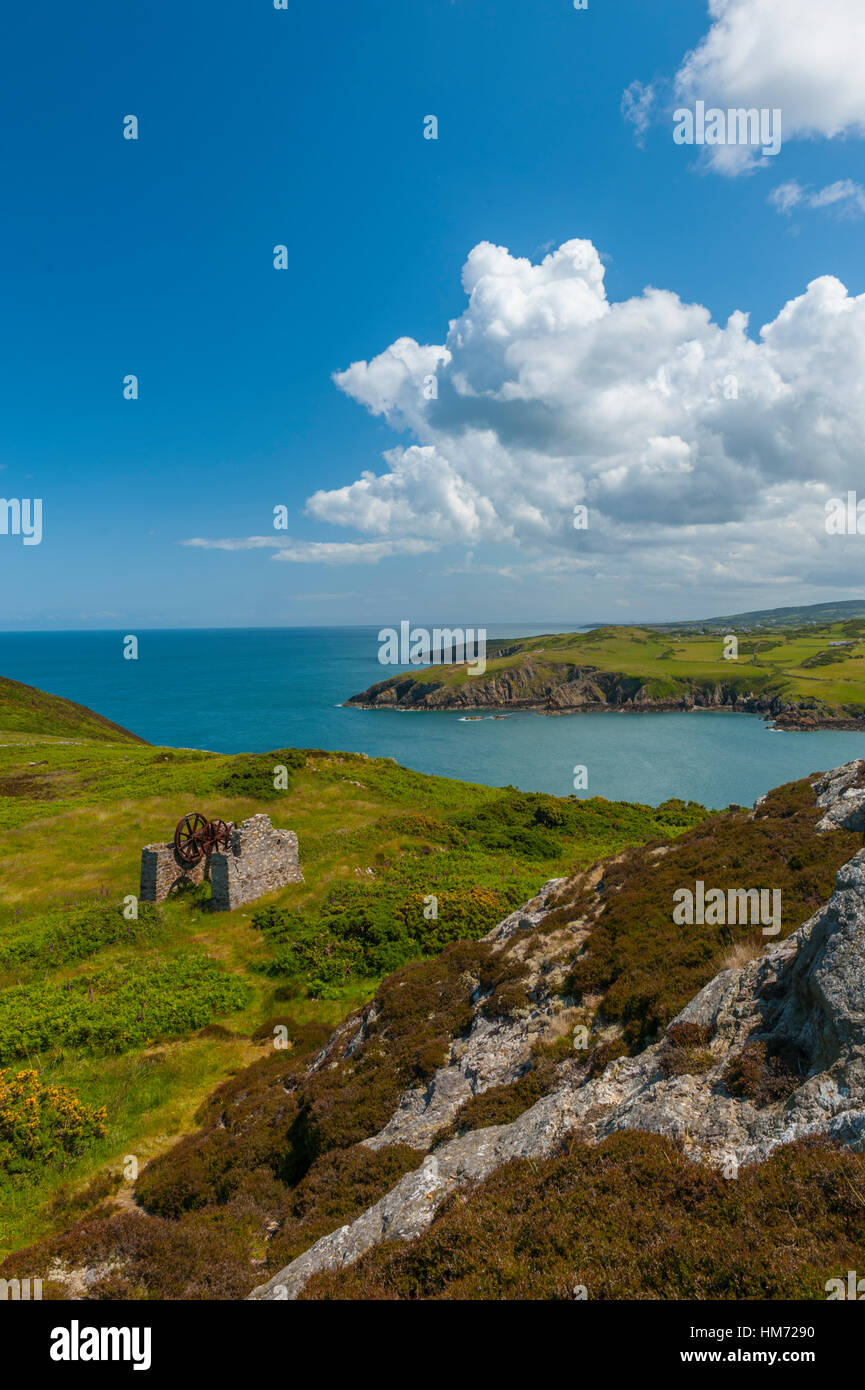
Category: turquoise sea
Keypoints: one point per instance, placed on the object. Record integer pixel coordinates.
(254, 689)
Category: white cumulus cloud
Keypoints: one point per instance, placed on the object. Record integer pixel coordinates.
(704, 452)
(801, 57)
(806, 58)
(671, 428)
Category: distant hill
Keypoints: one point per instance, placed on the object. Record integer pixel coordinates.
(797, 616)
(24, 709)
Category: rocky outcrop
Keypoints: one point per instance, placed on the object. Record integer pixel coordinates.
(841, 794)
(781, 1056)
(801, 1004)
(531, 685)
(409, 1208)
(563, 688)
(494, 1054)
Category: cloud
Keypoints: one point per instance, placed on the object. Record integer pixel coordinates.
(349, 552)
(698, 449)
(802, 57)
(236, 543)
(637, 103)
(786, 196)
(806, 58)
(844, 196)
(404, 361)
(318, 552)
(422, 491)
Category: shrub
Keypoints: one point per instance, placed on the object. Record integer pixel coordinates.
(500, 1105)
(605, 1053)
(42, 1124)
(503, 977)
(370, 931)
(64, 936)
(683, 1051)
(251, 775)
(765, 1071)
(630, 1218)
(118, 1008)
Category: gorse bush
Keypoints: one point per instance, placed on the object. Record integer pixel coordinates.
(42, 1124)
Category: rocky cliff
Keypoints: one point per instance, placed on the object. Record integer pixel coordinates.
(769, 1052)
(565, 688)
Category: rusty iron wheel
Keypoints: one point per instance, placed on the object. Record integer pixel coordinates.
(218, 836)
(190, 836)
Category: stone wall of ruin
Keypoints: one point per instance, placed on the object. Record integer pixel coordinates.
(260, 859)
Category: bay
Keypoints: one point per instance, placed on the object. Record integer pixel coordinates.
(255, 689)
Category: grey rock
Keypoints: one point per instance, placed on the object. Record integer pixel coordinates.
(494, 1054)
(527, 916)
(841, 793)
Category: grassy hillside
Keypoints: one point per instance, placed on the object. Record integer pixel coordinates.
(792, 671)
(24, 709)
(114, 1032)
(277, 1158)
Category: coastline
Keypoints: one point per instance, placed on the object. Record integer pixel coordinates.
(784, 722)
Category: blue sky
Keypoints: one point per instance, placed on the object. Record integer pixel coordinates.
(305, 128)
